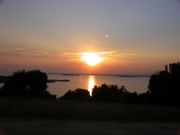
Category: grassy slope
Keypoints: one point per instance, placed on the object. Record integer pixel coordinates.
(48, 109)
(52, 127)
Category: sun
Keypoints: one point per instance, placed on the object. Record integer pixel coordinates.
(91, 58)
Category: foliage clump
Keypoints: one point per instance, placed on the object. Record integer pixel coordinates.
(164, 86)
(26, 84)
(77, 94)
(107, 92)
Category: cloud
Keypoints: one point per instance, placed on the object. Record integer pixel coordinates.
(23, 52)
(62, 56)
(113, 56)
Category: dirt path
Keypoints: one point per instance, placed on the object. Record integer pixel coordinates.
(48, 127)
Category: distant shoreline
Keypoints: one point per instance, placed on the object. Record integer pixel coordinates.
(78, 74)
(4, 78)
(75, 74)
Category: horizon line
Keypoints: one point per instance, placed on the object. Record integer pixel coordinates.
(101, 74)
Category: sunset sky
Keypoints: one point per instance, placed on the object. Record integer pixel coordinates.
(132, 36)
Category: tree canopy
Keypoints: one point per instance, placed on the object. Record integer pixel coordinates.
(26, 84)
(77, 94)
(164, 86)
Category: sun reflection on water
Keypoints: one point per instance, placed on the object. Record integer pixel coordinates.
(91, 84)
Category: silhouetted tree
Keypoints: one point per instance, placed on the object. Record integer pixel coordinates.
(26, 84)
(77, 94)
(37, 82)
(112, 93)
(164, 87)
(3, 79)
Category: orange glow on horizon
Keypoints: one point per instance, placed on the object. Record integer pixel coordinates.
(91, 58)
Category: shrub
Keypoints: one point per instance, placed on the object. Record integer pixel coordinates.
(164, 86)
(26, 84)
(112, 93)
(77, 94)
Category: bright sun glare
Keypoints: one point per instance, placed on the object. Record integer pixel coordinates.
(91, 58)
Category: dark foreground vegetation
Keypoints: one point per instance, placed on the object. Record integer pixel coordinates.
(73, 110)
(25, 95)
(103, 93)
(53, 127)
(26, 84)
(164, 89)
(3, 79)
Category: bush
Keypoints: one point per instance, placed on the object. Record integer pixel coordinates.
(164, 87)
(26, 84)
(113, 93)
(77, 94)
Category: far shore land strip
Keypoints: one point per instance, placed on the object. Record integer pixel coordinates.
(3, 78)
(118, 75)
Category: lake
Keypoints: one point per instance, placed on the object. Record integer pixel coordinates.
(132, 84)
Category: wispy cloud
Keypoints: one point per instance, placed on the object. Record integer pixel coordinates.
(106, 55)
(20, 53)
(23, 52)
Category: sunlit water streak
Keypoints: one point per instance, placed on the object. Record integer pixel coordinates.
(91, 84)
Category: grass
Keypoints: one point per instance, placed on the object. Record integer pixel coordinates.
(69, 110)
(37, 116)
(52, 127)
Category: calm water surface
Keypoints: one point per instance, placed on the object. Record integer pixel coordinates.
(137, 84)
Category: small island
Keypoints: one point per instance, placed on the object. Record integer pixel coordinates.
(4, 78)
(54, 80)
